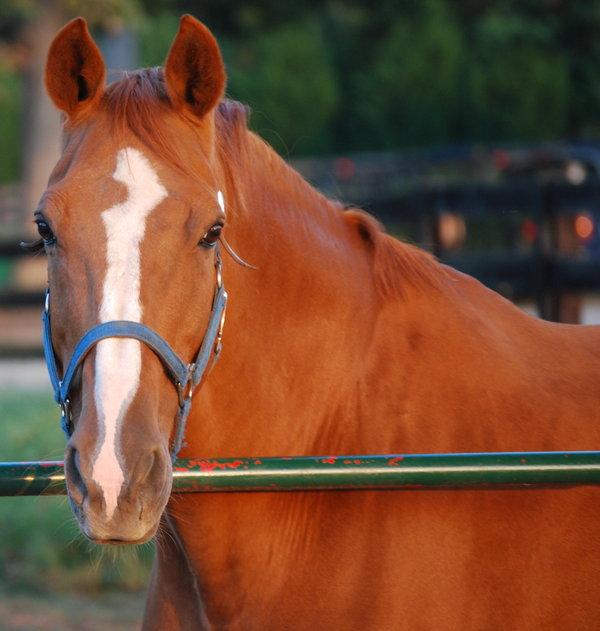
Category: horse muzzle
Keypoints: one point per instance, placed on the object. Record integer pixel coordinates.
(120, 509)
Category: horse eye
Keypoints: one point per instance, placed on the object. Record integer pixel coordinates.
(212, 236)
(45, 232)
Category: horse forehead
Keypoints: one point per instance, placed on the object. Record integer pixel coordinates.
(133, 168)
(132, 176)
(138, 174)
(125, 222)
(128, 177)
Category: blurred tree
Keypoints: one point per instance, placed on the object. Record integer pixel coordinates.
(156, 34)
(238, 19)
(286, 77)
(284, 74)
(41, 123)
(33, 23)
(10, 107)
(518, 85)
(410, 93)
(576, 28)
(340, 75)
(569, 34)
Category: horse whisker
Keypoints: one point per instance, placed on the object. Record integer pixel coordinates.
(236, 257)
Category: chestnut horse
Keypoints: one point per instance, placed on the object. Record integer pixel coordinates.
(342, 340)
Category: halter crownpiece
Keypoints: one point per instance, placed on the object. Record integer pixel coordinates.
(185, 377)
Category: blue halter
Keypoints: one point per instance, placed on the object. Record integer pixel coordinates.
(185, 377)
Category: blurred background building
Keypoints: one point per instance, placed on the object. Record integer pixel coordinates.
(470, 127)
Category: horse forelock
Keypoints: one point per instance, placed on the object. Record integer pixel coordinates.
(138, 103)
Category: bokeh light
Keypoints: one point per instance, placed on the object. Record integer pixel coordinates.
(584, 226)
(452, 230)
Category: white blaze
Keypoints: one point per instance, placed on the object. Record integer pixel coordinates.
(118, 361)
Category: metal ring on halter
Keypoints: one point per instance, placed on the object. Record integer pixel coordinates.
(65, 415)
(65, 408)
(219, 267)
(186, 390)
(218, 343)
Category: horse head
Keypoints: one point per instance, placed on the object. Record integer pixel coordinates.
(132, 242)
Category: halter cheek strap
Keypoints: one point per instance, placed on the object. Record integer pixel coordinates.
(185, 377)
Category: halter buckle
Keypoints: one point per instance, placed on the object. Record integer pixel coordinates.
(186, 390)
(65, 416)
(219, 268)
(218, 343)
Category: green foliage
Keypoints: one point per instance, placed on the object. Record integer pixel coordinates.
(41, 546)
(101, 12)
(410, 93)
(10, 119)
(155, 37)
(16, 13)
(284, 75)
(327, 76)
(419, 73)
(287, 79)
(518, 86)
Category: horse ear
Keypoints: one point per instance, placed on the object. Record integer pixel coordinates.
(194, 69)
(75, 70)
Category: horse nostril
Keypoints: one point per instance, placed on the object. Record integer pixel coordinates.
(77, 486)
(155, 471)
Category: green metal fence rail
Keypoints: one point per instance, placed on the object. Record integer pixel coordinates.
(424, 471)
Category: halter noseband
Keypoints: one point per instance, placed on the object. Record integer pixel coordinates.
(185, 377)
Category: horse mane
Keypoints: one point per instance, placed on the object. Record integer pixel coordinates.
(139, 102)
(396, 264)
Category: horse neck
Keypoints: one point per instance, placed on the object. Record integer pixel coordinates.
(331, 348)
(459, 368)
(297, 327)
